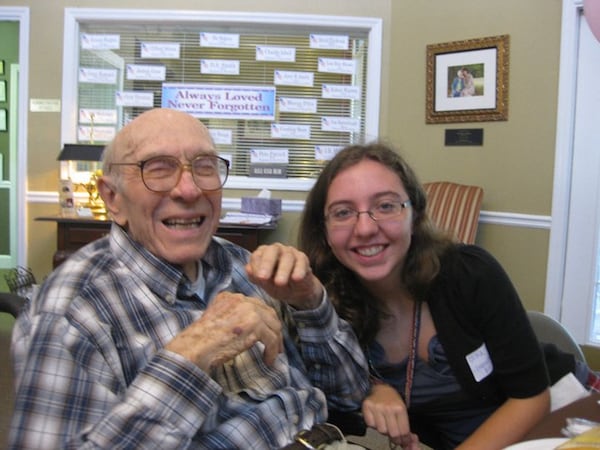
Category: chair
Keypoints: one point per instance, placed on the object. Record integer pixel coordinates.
(454, 208)
(11, 303)
(551, 331)
(21, 283)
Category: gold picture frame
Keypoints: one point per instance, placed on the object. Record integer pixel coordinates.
(481, 65)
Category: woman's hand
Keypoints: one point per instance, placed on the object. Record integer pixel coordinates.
(385, 411)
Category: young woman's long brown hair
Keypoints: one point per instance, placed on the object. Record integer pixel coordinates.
(352, 300)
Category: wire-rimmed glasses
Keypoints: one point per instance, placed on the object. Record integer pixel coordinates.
(346, 216)
(162, 173)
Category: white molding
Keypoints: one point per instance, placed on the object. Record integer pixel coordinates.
(515, 219)
(232, 203)
(563, 158)
(275, 184)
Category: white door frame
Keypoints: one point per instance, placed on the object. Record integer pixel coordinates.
(575, 206)
(21, 15)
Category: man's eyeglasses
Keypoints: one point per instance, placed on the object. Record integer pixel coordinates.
(162, 173)
(345, 216)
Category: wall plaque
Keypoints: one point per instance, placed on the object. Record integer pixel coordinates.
(464, 136)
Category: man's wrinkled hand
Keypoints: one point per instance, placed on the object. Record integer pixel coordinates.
(231, 324)
(284, 272)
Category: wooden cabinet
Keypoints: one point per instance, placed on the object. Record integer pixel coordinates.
(74, 232)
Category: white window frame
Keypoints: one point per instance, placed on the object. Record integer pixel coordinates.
(70, 62)
(574, 239)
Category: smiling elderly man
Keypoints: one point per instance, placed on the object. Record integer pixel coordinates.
(161, 335)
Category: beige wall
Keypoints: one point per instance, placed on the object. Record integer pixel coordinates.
(515, 164)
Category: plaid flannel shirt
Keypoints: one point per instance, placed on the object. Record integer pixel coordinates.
(91, 369)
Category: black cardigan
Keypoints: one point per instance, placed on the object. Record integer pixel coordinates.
(472, 302)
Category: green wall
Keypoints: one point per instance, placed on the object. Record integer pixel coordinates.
(9, 54)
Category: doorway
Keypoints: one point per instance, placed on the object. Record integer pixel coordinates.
(14, 56)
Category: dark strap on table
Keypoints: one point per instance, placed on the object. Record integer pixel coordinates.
(311, 439)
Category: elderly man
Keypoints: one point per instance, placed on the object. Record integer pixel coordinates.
(161, 335)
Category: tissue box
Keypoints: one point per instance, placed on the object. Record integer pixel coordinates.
(257, 205)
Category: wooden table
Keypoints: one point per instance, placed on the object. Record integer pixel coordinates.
(550, 426)
(75, 232)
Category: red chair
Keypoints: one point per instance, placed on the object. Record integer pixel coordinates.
(454, 208)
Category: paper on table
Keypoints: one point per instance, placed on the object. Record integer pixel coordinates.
(566, 390)
(246, 218)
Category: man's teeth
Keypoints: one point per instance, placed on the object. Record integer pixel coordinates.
(184, 223)
(370, 251)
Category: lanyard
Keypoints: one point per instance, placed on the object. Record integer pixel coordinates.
(412, 357)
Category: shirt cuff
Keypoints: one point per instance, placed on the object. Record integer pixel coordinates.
(313, 324)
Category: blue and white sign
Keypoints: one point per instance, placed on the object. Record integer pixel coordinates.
(212, 101)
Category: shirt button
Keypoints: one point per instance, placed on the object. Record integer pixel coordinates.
(170, 298)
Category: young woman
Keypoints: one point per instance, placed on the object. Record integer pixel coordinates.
(453, 357)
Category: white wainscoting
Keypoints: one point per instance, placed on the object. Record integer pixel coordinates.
(229, 203)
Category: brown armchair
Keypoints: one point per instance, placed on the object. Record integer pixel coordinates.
(454, 208)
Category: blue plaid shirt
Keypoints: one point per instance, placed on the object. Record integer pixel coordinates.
(92, 372)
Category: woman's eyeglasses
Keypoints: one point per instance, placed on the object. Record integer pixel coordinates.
(345, 216)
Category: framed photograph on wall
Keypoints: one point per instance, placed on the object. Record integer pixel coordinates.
(467, 81)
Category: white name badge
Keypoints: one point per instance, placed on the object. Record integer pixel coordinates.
(480, 363)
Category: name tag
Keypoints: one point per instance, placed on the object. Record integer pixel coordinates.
(480, 363)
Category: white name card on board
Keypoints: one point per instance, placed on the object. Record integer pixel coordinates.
(348, 124)
(134, 98)
(166, 50)
(97, 76)
(298, 105)
(221, 136)
(329, 41)
(293, 78)
(97, 115)
(95, 134)
(152, 72)
(273, 53)
(100, 41)
(336, 65)
(290, 131)
(340, 91)
(219, 40)
(326, 152)
(269, 155)
(220, 66)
